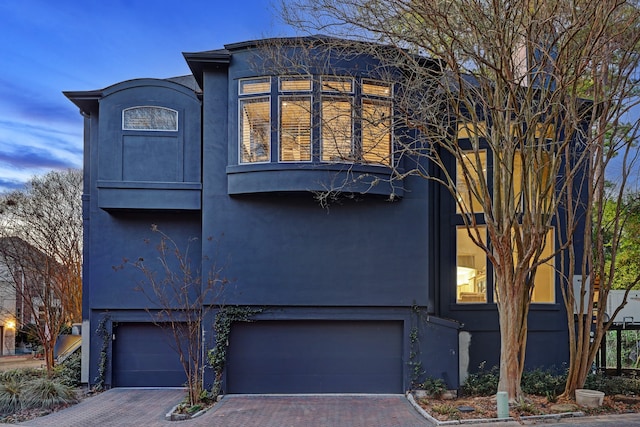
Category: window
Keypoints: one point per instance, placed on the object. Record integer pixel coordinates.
(148, 118)
(337, 130)
(295, 129)
(471, 268)
(255, 121)
(471, 265)
(468, 186)
(535, 176)
(325, 119)
(376, 131)
(545, 280)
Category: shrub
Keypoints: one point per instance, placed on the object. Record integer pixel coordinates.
(68, 372)
(612, 385)
(434, 386)
(46, 393)
(482, 383)
(543, 382)
(10, 393)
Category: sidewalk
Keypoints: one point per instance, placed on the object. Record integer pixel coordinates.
(8, 363)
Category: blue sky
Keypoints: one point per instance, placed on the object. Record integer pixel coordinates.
(47, 47)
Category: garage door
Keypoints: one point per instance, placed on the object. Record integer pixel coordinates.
(143, 357)
(315, 357)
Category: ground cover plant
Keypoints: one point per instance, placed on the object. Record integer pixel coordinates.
(30, 393)
(542, 389)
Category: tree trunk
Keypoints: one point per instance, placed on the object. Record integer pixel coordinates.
(513, 329)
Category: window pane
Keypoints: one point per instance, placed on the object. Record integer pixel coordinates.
(474, 165)
(468, 129)
(337, 84)
(535, 179)
(255, 130)
(251, 86)
(295, 129)
(377, 88)
(295, 84)
(376, 132)
(471, 268)
(150, 118)
(544, 285)
(337, 130)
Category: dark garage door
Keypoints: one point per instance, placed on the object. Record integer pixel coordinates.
(315, 357)
(143, 357)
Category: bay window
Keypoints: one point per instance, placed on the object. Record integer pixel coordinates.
(331, 119)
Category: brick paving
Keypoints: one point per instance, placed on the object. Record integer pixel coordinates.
(147, 407)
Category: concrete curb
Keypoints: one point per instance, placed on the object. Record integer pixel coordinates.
(547, 417)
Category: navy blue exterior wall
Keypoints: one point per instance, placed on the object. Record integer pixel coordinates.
(372, 273)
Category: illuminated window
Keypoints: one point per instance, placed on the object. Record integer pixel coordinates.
(295, 129)
(295, 84)
(337, 84)
(376, 134)
(468, 130)
(471, 268)
(545, 280)
(376, 88)
(254, 86)
(337, 130)
(535, 178)
(468, 186)
(352, 119)
(255, 130)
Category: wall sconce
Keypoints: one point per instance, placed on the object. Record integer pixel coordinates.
(10, 324)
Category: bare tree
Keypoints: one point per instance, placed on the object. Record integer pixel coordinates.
(41, 228)
(491, 105)
(181, 298)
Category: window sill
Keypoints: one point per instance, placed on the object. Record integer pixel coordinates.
(312, 177)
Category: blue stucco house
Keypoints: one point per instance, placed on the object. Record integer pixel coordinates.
(367, 295)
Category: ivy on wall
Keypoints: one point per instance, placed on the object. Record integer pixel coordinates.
(217, 356)
(105, 335)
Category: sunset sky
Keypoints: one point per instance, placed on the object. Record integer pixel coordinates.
(52, 46)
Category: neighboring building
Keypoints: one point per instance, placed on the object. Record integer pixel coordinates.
(7, 310)
(357, 297)
(21, 283)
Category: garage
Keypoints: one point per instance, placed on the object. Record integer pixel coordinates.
(143, 356)
(314, 356)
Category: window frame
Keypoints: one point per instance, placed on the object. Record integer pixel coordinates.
(295, 97)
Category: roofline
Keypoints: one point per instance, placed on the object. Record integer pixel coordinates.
(198, 61)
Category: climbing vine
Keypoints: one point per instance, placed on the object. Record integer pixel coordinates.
(104, 334)
(217, 356)
(414, 348)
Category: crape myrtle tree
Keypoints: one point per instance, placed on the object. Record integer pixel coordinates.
(181, 298)
(501, 121)
(41, 231)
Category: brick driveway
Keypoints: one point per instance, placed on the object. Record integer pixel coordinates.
(146, 407)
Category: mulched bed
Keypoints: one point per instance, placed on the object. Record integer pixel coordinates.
(465, 408)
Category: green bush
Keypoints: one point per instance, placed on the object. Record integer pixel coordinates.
(612, 385)
(543, 382)
(434, 386)
(46, 393)
(481, 383)
(68, 372)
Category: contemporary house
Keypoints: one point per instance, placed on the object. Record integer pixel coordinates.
(368, 295)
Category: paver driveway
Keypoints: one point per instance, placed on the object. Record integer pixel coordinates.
(147, 407)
